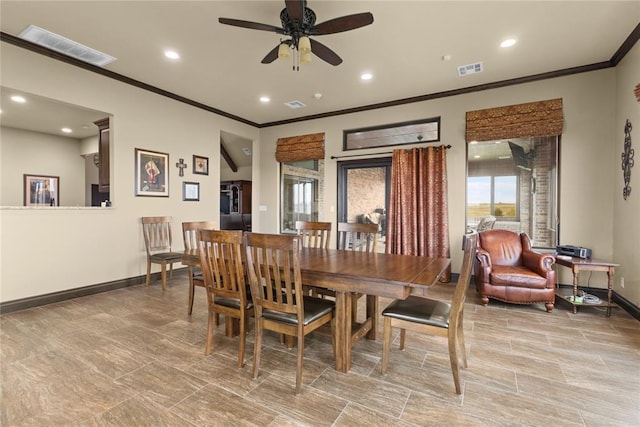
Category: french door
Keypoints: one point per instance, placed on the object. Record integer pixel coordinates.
(363, 193)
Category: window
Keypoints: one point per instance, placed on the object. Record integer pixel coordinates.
(427, 130)
(517, 182)
(301, 192)
(493, 195)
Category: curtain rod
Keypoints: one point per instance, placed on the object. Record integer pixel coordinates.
(372, 154)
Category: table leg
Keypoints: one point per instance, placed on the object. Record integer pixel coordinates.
(343, 331)
(610, 274)
(575, 290)
(372, 313)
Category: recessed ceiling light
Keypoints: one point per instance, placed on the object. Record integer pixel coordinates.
(171, 54)
(477, 156)
(508, 43)
(66, 130)
(265, 99)
(366, 76)
(19, 99)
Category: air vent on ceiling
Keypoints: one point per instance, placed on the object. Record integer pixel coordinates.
(64, 45)
(246, 151)
(465, 70)
(294, 104)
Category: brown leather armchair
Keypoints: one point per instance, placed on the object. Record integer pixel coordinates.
(508, 270)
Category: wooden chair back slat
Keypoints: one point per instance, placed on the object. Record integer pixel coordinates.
(157, 234)
(314, 234)
(274, 273)
(357, 237)
(190, 232)
(221, 262)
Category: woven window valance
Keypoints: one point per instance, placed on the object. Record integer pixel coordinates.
(298, 148)
(533, 119)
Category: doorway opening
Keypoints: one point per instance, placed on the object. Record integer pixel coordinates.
(363, 193)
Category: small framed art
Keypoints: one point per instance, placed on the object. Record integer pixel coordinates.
(151, 173)
(41, 190)
(200, 165)
(191, 191)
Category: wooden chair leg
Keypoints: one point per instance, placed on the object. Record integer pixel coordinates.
(243, 338)
(453, 357)
(191, 291)
(461, 344)
(164, 276)
(386, 344)
(403, 333)
(257, 345)
(148, 272)
(299, 364)
(210, 332)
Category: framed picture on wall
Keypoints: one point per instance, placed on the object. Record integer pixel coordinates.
(191, 191)
(200, 165)
(41, 190)
(151, 173)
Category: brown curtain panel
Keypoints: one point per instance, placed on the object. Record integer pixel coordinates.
(418, 221)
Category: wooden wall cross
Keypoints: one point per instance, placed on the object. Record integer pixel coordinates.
(181, 165)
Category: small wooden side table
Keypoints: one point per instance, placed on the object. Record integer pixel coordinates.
(588, 264)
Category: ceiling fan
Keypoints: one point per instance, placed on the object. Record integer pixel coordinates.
(298, 24)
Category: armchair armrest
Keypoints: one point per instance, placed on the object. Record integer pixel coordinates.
(483, 258)
(540, 263)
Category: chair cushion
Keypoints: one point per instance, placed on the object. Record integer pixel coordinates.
(517, 275)
(167, 256)
(232, 302)
(420, 310)
(314, 308)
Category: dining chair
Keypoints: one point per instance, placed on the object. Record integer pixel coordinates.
(314, 234)
(222, 263)
(190, 236)
(434, 317)
(157, 240)
(276, 287)
(357, 237)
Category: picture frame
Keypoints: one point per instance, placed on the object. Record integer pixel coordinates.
(151, 173)
(190, 191)
(200, 165)
(41, 190)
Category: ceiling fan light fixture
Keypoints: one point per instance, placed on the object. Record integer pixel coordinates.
(284, 51)
(304, 45)
(305, 58)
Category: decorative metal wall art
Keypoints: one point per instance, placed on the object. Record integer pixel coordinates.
(627, 160)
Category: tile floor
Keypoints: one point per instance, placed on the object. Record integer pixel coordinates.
(132, 357)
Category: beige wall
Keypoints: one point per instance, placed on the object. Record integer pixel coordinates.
(46, 250)
(626, 213)
(590, 187)
(37, 153)
(586, 181)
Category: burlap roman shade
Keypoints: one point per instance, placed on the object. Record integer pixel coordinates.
(533, 119)
(298, 148)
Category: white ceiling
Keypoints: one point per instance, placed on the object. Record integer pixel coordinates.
(220, 65)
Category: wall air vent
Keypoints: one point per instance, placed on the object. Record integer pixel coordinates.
(66, 46)
(465, 70)
(294, 104)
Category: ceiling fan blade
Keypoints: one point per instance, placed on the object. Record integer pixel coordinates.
(344, 23)
(251, 25)
(324, 53)
(295, 10)
(271, 56)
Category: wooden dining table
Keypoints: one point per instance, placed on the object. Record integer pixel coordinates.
(373, 274)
